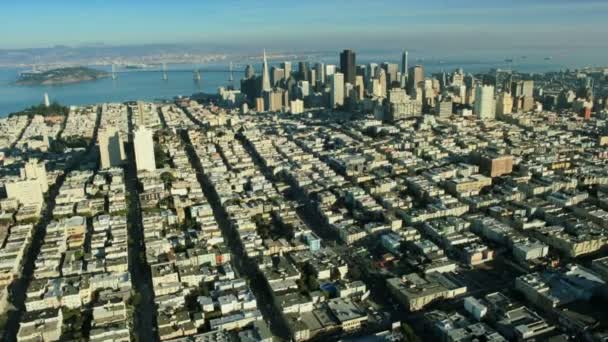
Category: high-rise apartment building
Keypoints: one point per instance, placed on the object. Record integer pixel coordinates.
(504, 103)
(111, 149)
(484, 102)
(415, 78)
(286, 66)
(143, 144)
(337, 90)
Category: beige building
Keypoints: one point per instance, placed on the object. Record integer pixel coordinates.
(415, 292)
(37, 171)
(144, 150)
(27, 192)
(504, 104)
(111, 149)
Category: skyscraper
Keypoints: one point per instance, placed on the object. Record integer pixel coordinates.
(504, 104)
(404, 63)
(249, 71)
(337, 90)
(415, 77)
(265, 76)
(383, 82)
(347, 66)
(330, 69)
(391, 73)
(143, 144)
(287, 67)
(111, 149)
(320, 67)
(277, 74)
(303, 71)
(484, 102)
(523, 95)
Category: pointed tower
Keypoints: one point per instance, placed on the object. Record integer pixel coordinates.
(265, 76)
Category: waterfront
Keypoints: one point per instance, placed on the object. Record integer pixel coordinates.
(148, 84)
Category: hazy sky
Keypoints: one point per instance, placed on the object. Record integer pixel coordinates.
(310, 24)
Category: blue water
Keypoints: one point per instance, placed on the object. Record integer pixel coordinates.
(133, 85)
(148, 84)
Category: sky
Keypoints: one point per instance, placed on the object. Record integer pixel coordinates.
(432, 25)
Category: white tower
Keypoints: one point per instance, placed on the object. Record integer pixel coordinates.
(484, 102)
(265, 75)
(337, 89)
(47, 102)
(144, 150)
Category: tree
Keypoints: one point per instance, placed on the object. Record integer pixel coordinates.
(167, 178)
(408, 333)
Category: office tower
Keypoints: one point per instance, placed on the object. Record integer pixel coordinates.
(444, 108)
(484, 102)
(259, 104)
(504, 104)
(265, 77)
(143, 144)
(415, 77)
(273, 100)
(372, 69)
(350, 95)
(303, 89)
(251, 87)
(111, 149)
(462, 93)
(523, 95)
(303, 71)
(457, 78)
(33, 170)
(360, 87)
(296, 107)
(404, 63)
(290, 85)
(376, 89)
(347, 66)
(360, 70)
(429, 92)
(320, 68)
(470, 81)
(337, 90)
(312, 76)
(285, 98)
(249, 71)
(470, 98)
(286, 66)
(277, 75)
(383, 82)
(330, 69)
(503, 79)
(391, 70)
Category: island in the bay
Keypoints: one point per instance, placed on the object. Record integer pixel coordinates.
(61, 76)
